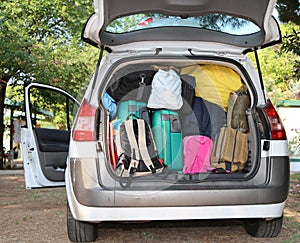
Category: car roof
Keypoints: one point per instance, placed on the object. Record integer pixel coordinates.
(256, 12)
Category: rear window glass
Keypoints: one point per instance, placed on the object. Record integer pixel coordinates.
(217, 22)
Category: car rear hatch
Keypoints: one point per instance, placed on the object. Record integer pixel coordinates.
(243, 24)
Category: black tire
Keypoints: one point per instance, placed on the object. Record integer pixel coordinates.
(262, 228)
(79, 231)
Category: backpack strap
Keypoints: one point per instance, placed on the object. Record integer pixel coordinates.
(141, 88)
(135, 155)
(143, 146)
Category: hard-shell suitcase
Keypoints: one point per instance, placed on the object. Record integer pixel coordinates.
(230, 151)
(196, 154)
(133, 109)
(168, 138)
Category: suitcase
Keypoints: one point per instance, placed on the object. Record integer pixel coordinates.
(196, 154)
(133, 109)
(230, 151)
(168, 138)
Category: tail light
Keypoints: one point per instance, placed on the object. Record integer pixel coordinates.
(277, 128)
(84, 127)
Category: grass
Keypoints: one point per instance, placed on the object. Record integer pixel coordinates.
(295, 177)
(41, 194)
(292, 210)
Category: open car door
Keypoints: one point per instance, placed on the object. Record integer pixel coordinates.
(49, 113)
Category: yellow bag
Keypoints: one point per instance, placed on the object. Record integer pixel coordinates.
(214, 83)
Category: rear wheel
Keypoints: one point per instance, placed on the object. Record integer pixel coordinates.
(262, 228)
(79, 231)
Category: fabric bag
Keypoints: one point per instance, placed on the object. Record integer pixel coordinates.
(230, 152)
(166, 91)
(132, 86)
(188, 84)
(238, 103)
(196, 154)
(136, 149)
(214, 82)
(110, 105)
(197, 122)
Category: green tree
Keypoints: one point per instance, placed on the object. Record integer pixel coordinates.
(288, 10)
(40, 41)
(291, 44)
(289, 13)
(278, 68)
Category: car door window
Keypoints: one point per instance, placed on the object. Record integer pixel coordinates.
(51, 109)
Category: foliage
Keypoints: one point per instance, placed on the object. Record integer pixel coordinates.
(278, 68)
(40, 41)
(291, 44)
(288, 10)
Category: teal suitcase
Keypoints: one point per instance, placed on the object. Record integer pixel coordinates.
(167, 134)
(133, 109)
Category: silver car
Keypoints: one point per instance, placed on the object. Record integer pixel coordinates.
(71, 143)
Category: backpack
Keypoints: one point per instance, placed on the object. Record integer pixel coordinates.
(136, 149)
(238, 103)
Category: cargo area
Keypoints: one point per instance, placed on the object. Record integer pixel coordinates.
(199, 116)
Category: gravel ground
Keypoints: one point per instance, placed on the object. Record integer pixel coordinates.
(40, 216)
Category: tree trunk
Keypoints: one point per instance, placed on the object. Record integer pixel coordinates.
(3, 84)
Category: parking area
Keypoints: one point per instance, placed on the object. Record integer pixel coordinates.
(40, 216)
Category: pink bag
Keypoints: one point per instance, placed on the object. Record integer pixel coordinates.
(197, 150)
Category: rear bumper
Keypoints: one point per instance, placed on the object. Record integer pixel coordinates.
(104, 203)
(98, 214)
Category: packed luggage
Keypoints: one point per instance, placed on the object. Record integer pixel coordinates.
(167, 134)
(171, 118)
(196, 154)
(230, 151)
(136, 149)
(214, 83)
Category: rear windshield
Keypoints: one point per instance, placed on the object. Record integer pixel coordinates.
(217, 22)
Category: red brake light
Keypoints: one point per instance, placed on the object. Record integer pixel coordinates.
(84, 127)
(277, 128)
(146, 22)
